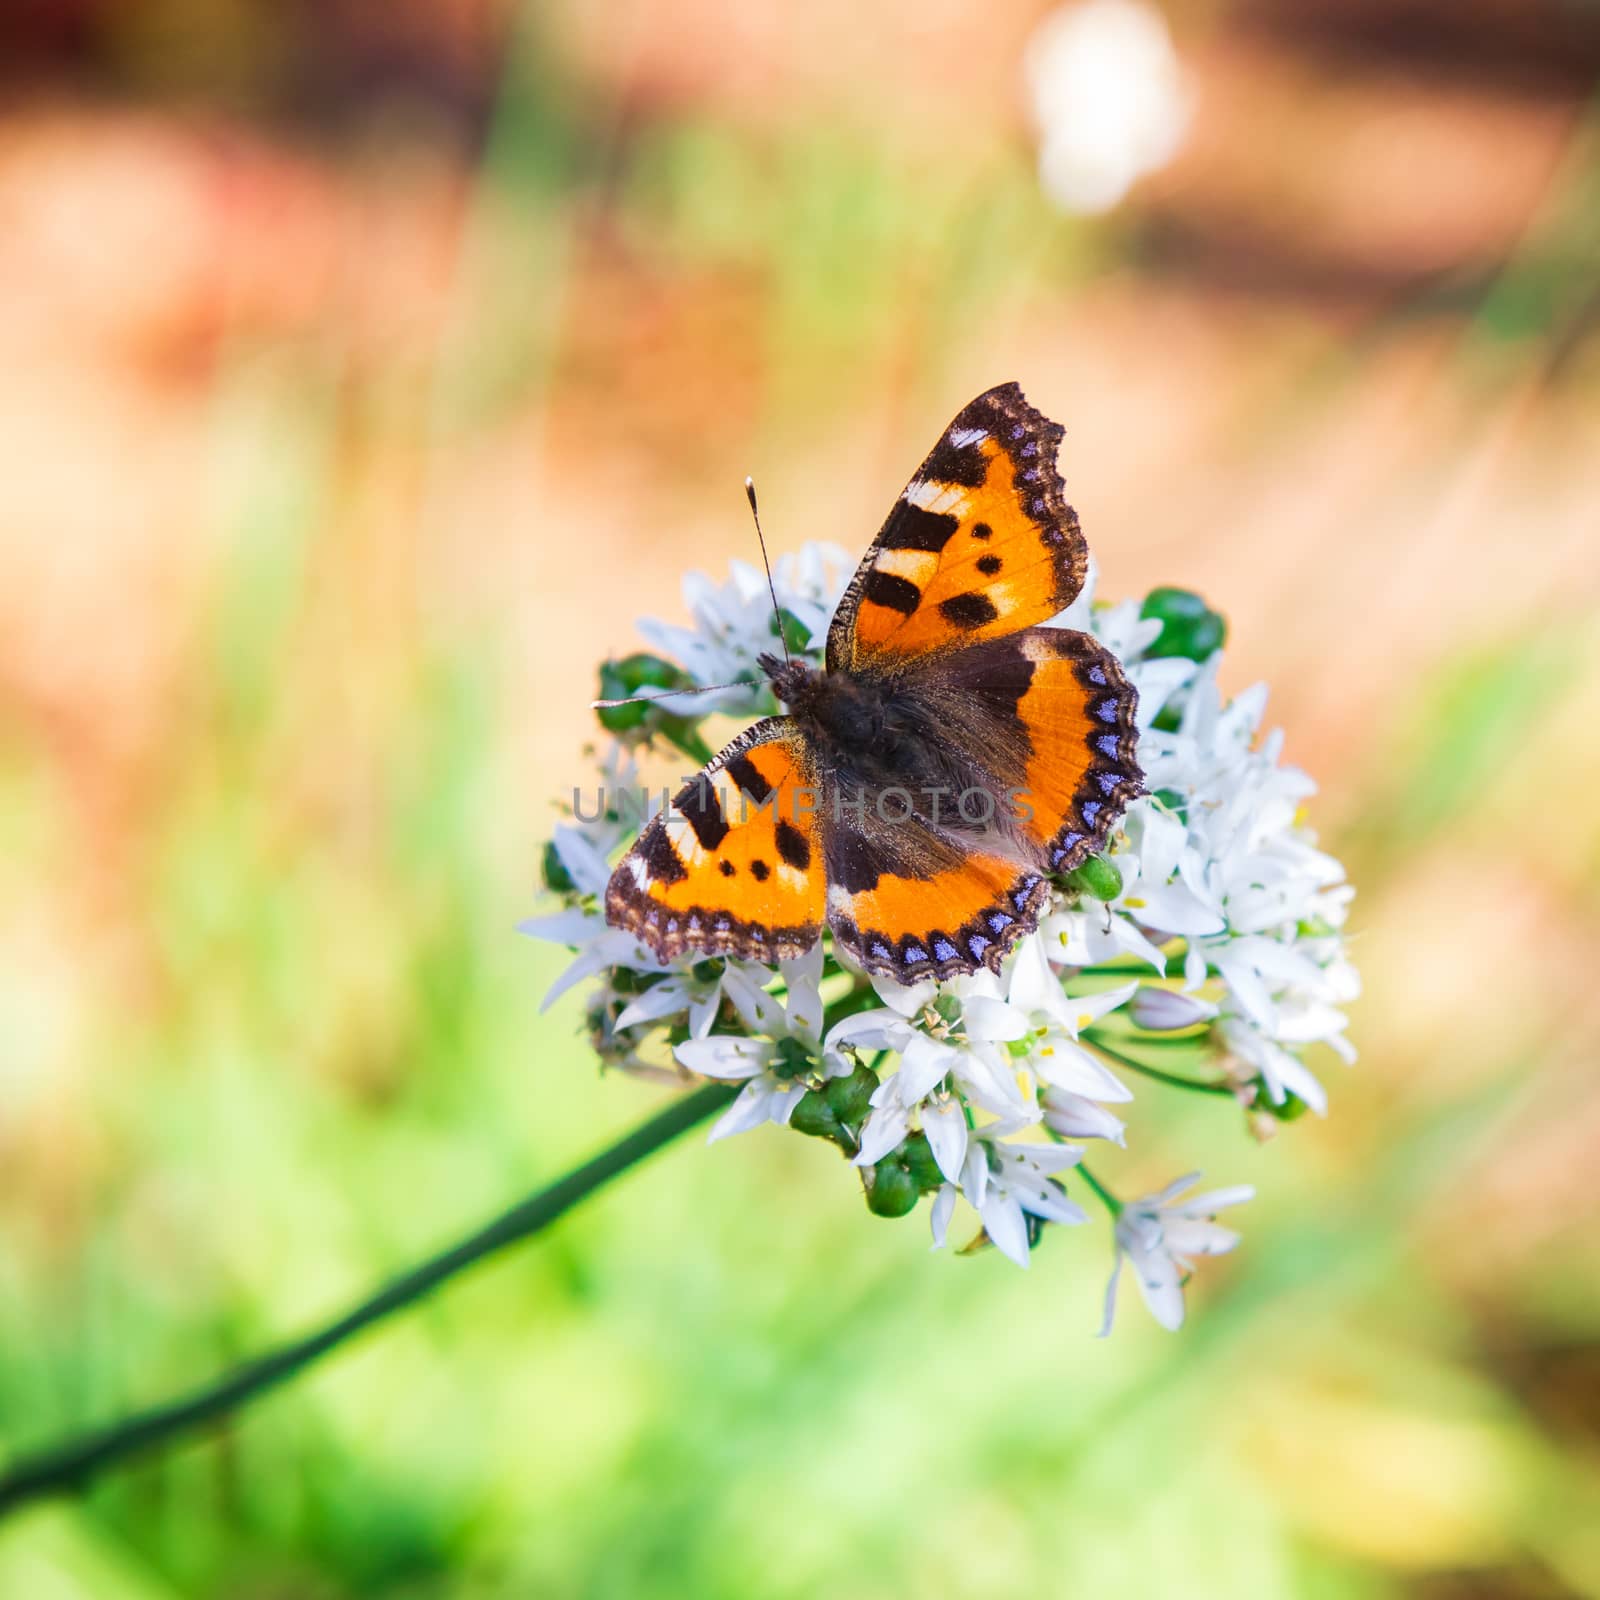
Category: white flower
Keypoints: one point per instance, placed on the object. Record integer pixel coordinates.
(774, 1081)
(583, 846)
(1053, 1021)
(1283, 1072)
(961, 1048)
(598, 947)
(1159, 1239)
(1109, 99)
(960, 1042)
(1007, 1182)
(1160, 1010)
(685, 992)
(1076, 1116)
(733, 625)
(1219, 859)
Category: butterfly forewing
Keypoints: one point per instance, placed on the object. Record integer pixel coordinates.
(981, 543)
(734, 864)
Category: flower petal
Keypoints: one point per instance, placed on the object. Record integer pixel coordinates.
(905, 1000)
(1074, 1116)
(586, 866)
(993, 1020)
(1111, 1296)
(725, 1055)
(883, 1130)
(946, 1128)
(749, 1111)
(1004, 1223)
(924, 1063)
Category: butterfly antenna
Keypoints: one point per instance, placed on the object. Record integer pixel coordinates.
(777, 614)
(666, 694)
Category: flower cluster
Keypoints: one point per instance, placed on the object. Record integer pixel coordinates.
(1202, 951)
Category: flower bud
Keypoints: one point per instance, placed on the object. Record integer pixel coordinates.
(891, 1190)
(917, 1154)
(850, 1099)
(556, 877)
(1189, 627)
(1290, 1109)
(794, 1060)
(1164, 1010)
(634, 674)
(814, 1117)
(1098, 877)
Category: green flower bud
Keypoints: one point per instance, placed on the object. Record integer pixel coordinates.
(794, 1060)
(891, 1190)
(1098, 877)
(918, 1156)
(850, 1099)
(635, 674)
(1189, 627)
(556, 876)
(814, 1117)
(1291, 1110)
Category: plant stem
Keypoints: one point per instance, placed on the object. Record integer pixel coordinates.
(1170, 1078)
(69, 1464)
(1107, 1199)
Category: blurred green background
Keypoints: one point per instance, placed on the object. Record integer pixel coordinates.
(366, 370)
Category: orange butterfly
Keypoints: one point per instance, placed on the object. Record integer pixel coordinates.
(948, 760)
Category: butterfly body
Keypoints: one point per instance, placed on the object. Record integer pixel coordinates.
(949, 759)
(868, 733)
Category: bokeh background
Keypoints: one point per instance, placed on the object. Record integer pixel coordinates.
(365, 370)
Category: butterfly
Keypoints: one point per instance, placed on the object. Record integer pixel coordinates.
(949, 760)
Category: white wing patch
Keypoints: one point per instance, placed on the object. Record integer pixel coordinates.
(949, 497)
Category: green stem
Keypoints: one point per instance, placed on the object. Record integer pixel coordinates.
(70, 1463)
(1195, 1038)
(1170, 1078)
(1106, 1198)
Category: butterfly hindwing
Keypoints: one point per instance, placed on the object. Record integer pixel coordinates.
(1052, 717)
(915, 900)
(981, 543)
(1044, 723)
(733, 866)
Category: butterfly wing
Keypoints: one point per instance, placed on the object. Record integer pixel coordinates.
(915, 900)
(1050, 717)
(733, 866)
(1044, 724)
(981, 543)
